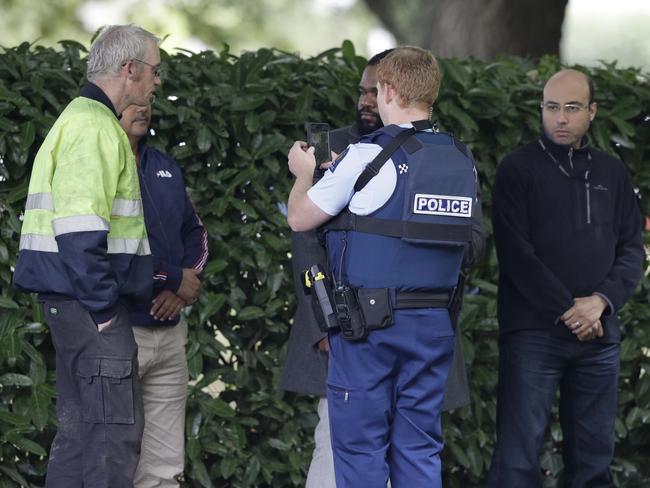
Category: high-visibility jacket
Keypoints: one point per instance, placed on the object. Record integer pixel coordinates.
(83, 233)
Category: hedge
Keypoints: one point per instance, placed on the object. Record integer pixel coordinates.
(229, 121)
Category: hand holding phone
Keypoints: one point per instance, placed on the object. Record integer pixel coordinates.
(318, 136)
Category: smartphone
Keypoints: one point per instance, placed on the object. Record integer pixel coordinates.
(318, 136)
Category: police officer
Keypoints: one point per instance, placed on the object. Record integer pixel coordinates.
(395, 253)
(305, 365)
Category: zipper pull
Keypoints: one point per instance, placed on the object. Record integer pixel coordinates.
(346, 397)
(588, 196)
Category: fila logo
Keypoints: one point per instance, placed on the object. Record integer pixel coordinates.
(452, 206)
(163, 173)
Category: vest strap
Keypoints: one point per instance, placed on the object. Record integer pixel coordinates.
(346, 220)
(375, 165)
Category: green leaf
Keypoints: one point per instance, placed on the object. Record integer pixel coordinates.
(14, 475)
(252, 470)
(200, 474)
(347, 49)
(213, 303)
(15, 379)
(636, 417)
(41, 401)
(247, 102)
(215, 266)
(250, 313)
(459, 455)
(219, 408)
(279, 445)
(227, 467)
(13, 418)
(27, 135)
(6, 302)
(30, 446)
(193, 449)
(203, 139)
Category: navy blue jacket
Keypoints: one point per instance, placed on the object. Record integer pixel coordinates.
(177, 236)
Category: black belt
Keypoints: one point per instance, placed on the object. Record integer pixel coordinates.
(422, 299)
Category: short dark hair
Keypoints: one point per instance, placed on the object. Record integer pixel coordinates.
(374, 61)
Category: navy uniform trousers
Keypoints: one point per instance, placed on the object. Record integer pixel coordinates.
(385, 395)
(99, 407)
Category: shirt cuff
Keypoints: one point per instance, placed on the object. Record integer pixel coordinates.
(174, 278)
(317, 343)
(609, 310)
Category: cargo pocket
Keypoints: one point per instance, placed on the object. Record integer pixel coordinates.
(90, 389)
(106, 387)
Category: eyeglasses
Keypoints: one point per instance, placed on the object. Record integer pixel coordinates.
(569, 108)
(156, 69)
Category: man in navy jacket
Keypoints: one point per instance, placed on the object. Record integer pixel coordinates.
(178, 243)
(567, 230)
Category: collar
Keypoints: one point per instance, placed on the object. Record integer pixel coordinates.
(422, 125)
(92, 91)
(353, 133)
(573, 163)
(562, 152)
(142, 151)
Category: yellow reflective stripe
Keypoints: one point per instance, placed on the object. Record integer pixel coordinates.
(79, 223)
(37, 222)
(126, 208)
(127, 227)
(39, 201)
(38, 242)
(128, 246)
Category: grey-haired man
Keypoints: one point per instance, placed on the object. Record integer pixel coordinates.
(84, 250)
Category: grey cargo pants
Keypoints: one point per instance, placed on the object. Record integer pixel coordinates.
(99, 406)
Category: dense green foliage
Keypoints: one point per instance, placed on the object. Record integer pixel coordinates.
(229, 122)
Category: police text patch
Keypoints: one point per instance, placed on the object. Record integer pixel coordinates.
(452, 206)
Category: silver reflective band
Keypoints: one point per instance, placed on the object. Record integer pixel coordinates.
(79, 223)
(38, 242)
(39, 201)
(128, 246)
(126, 208)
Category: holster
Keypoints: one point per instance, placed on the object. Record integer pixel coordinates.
(318, 285)
(361, 310)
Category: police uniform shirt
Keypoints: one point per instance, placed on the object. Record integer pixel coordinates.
(335, 189)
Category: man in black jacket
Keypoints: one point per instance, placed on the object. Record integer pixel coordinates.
(568, 237)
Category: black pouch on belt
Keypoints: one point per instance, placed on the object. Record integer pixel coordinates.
(376, 307)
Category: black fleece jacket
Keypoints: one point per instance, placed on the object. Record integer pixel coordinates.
(566, 225)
